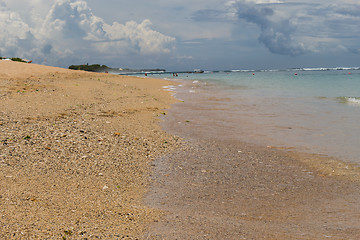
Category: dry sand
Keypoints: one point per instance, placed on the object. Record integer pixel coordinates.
(75, 152)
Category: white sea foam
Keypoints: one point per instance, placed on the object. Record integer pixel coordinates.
(316, 69)
(353, 101)
(328, 69)
(243, 70)
(169, 88)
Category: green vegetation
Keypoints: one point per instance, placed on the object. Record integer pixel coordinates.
(91, 68)
(104, 68)
(16, 59)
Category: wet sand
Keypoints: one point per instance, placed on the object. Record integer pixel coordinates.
(216, 188)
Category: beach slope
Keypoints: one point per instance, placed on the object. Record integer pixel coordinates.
(76, 151)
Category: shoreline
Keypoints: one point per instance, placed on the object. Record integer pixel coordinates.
(263, 115)
(76, 151)
(217, 188)
(181, 118)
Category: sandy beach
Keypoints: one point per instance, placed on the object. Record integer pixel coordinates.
(84, 156)
(75, 152)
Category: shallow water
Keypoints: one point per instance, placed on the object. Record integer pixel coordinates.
(312, 111)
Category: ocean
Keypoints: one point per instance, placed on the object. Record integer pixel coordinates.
(312, 110)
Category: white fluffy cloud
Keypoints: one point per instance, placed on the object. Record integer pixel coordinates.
(12, 30)
(140, 35)
(54, 31)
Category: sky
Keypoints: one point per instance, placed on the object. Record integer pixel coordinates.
(183, 34)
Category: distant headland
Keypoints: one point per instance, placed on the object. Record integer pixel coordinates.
(104, 68)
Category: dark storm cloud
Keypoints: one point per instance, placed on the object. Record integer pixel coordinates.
(276, 34)
(294, 28)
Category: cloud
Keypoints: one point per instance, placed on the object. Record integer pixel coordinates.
(140, 36)
(291, 27)
(13, 31)
(70, 30)
(277, 32)
(297, 28)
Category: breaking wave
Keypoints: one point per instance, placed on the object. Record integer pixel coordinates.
(350, 100)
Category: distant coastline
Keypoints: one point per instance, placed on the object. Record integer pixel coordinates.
(106, 69)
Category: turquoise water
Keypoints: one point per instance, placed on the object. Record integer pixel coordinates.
(316, 111)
